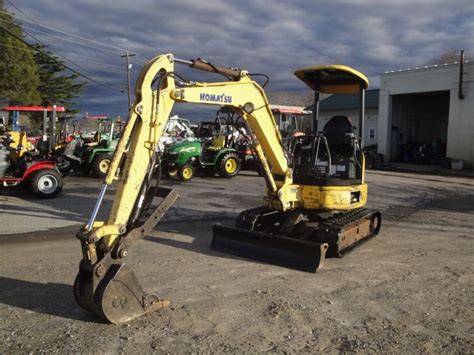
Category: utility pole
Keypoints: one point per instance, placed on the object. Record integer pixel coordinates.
(129, 67)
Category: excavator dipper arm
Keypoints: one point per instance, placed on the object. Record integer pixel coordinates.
(104, 285)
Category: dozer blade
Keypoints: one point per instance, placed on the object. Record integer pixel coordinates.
(118, 298)
(268, 248)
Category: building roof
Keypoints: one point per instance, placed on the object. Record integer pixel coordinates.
(388, 72)
(348, 101)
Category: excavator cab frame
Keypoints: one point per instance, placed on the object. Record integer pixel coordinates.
(334, 153)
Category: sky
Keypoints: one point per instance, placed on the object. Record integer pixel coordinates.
(271, 37)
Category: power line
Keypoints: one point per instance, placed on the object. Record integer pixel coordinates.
(24, 28)
(66, 66)
(60, 55)
(42, 43)
(32, 20)
(65, 39)
(76, 58)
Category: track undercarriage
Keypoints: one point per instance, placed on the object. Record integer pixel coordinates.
(298, 239)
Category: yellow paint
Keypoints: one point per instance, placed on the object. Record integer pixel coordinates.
(231, 166)
(148, 117)
(19, 145)
(357, 79)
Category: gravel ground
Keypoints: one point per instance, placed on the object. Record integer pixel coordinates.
(409, 290)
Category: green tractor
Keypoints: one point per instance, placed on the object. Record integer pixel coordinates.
(95, 154)
(211, 155)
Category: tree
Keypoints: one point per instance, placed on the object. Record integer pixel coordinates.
(448, 56)
(19, 77)
(291, 98)
(55, 87)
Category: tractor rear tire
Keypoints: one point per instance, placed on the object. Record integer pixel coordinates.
(229, 165)
(101, 165)
(186, 172)
(46, 183)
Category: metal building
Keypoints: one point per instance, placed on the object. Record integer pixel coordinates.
(427, 114)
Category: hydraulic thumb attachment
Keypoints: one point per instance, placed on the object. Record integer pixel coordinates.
(108, 288)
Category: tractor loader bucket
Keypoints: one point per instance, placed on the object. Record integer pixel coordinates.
(269, 248)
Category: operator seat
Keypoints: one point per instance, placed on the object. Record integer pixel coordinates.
(217, 143)
(337, 132)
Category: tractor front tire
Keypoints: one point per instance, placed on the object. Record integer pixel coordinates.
(229, 165)
(169, 172)
(46, 183)
(186, 172)
(101, 165)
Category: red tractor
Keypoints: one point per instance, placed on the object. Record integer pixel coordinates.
(20, 163)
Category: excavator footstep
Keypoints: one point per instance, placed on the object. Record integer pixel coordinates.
(268, 248)
(118, 298)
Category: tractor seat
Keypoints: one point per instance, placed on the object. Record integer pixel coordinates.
(336, 129)
(217, 143)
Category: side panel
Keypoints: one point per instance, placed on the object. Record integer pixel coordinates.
(334, 197)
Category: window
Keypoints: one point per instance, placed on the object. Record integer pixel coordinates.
(371, 133)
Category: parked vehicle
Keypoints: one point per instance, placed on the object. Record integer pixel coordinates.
(94, 153)
(211, 155)
(20, 165)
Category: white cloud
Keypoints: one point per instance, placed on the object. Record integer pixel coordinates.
(272, 37)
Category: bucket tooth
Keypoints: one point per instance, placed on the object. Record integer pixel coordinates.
(269, 248)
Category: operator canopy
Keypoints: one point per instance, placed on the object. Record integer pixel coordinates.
(333, 79)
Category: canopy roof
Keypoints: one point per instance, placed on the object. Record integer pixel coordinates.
(289, 109)
(32, 108)
(333, 79)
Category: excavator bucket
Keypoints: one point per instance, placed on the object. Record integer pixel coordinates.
(118, 298)
(269, 248)
(109, 288)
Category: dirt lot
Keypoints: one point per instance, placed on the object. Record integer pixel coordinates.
(409, 290)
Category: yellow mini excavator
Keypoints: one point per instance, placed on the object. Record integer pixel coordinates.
(315, 196)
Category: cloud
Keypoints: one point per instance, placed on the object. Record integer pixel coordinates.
(272, 37)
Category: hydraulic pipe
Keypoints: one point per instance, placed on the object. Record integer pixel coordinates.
(96, 207)
(204, 65)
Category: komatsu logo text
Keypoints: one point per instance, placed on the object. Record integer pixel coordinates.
(215, 98)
